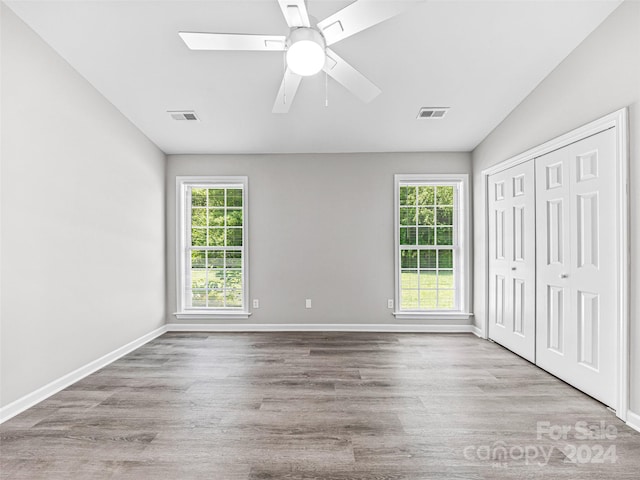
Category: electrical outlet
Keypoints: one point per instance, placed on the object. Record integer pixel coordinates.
(390, 303)
(307, 303)
(256, 303)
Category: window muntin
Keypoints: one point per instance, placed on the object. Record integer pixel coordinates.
(428, 249)
(213, 246)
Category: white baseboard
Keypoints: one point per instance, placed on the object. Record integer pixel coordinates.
(316, 327)
(31, 399)
(477, 331)
(633, 420)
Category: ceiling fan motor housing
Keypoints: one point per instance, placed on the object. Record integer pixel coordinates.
(305, 51)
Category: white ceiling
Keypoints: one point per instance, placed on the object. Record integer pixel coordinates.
(481, 58)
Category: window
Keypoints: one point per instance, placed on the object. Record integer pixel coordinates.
(431, 244)
(212, 260)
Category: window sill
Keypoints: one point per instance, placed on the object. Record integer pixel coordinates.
(433, 315)
(211, 315)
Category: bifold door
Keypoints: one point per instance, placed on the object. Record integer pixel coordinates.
(512, 259)
(577, 315)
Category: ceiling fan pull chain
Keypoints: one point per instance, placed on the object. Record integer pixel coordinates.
(326, 89)
(284, 78)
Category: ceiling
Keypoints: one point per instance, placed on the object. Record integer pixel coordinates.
(481, 58)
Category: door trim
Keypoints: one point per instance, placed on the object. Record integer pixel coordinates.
(619, 121)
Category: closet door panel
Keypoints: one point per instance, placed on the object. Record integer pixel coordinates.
(576, 275)
(512, 259)
(553, 259)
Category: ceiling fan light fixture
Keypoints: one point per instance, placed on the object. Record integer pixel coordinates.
(306, 52)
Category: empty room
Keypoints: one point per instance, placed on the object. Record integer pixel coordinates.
(319, 239)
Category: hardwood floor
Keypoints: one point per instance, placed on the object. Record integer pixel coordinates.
(336, 406)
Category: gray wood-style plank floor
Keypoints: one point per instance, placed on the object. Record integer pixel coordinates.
(340, 406)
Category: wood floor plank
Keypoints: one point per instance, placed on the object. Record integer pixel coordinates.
(329, 406)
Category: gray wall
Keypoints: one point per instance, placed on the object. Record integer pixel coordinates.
(82, 217)
(321, 227)
(600, 76)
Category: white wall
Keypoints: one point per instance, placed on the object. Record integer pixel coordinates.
(600, 76)
(320, 227)
(82, 220)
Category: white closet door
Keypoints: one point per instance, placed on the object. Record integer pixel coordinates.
(512, 259)
(576, 257)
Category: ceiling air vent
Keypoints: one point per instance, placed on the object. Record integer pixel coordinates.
(188, 115)
(432, 112)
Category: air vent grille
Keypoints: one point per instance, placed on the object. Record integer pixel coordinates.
(432, 112)
(188, 115)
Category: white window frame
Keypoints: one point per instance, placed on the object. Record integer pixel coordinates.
(462, 273)
(183, 216)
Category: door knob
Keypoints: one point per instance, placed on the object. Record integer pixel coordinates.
(564, 275)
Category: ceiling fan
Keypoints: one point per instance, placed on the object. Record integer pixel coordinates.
(307, 45)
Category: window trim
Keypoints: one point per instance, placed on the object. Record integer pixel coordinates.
(462, 232)
(182, 183)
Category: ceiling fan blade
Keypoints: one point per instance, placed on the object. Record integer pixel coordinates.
(230, 41)
(350, 78)
(295, 13)
(359, 16)
(288, 89)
